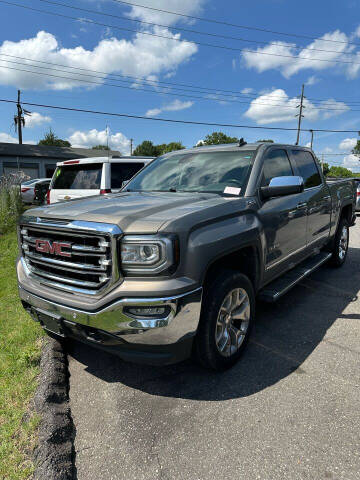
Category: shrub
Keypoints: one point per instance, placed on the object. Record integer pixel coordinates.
(11, 205)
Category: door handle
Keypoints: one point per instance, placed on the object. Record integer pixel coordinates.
(301, 205)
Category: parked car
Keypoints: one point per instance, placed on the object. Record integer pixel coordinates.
(27, 189)
(171, 266)
(40, 191)
(357, 180)
(92, 176)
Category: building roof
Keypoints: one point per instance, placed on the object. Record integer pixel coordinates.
(26, 150)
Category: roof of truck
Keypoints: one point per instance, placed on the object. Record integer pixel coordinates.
(113, 159)
(235, 146)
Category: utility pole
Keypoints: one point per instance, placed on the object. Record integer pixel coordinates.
(300, 115)
(19, 119)
(131, 146)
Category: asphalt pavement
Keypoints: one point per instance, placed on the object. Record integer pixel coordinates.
(289, 410)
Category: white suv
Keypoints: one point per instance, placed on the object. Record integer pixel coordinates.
(92, 176)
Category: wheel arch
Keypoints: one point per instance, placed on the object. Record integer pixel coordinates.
(246, 260)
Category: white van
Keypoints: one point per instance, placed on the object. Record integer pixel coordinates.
(92, 176)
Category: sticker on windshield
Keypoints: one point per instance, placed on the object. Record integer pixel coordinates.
(232, 190)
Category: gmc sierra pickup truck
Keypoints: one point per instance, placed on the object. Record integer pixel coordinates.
(171, 266)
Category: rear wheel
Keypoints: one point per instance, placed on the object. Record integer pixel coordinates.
(226, 320)
(341, 244)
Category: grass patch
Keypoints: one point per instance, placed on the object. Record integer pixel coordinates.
(20, 344)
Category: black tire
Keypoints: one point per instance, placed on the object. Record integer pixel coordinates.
(340, 249)
(206, 346)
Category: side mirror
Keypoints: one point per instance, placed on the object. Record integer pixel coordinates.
(124, 183)
(280, 186)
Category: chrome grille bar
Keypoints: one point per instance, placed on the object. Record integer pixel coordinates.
(87, 263)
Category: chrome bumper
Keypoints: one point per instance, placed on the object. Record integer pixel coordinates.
(180, 322)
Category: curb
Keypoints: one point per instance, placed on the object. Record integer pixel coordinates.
(54, 457)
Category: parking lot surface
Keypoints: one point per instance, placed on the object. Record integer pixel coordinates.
(290, 409)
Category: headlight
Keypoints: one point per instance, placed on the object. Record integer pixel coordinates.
(146, 253)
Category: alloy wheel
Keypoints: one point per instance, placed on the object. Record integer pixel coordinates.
(232, 322)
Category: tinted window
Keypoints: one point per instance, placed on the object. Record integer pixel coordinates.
(307, 168)
(123, 171)
(71, 177)
(276, 164)
(210, 171)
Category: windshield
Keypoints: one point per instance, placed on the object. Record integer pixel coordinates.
(196, 172)
(72, 177)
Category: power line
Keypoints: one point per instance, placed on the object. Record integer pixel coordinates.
(246, 27)
(223, 47)
(188, 30)
(87, 81)
(155, 83)
(216, 96)
(142, 79)
(171, 120)
(208, 98)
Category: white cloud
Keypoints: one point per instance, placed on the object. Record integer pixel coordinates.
(276, 106)
(90, 138)
(347, 144)
(186, 7)
(247, 90)
(327, 150)
(5, 137)
(141, 56)
(170, 107)
(352, 162)
(36, 119)
(312, 80)
(278, 55)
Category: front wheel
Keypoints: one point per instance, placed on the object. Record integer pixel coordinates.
(226, 320)
(341, 244)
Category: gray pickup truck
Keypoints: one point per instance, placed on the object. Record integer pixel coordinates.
(172, 265)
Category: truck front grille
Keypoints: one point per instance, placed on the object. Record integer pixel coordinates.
(81, 261)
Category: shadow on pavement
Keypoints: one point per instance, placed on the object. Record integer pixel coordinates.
(286, 333)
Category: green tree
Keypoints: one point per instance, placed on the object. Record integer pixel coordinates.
(51, 139)
(326, 169)
(170, 147)
(356, 149)
(147, 148)
(339, 172)
(100, 147)
(217, 138)
(268, 140)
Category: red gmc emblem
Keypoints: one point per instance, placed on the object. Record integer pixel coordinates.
(54, 248)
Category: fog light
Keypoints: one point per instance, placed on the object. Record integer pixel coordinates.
(147, 311)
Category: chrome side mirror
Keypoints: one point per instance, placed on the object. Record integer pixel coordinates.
(281, 186)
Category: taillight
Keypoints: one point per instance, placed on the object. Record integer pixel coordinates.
(358, 193)
(48, 197)
(24, 189)
(105, 190)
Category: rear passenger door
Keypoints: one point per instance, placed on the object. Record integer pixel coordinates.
(317, 196)
(283, 218)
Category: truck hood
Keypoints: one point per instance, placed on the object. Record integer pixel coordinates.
(133, 212)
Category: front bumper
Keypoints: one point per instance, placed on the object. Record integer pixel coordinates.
(165, 339)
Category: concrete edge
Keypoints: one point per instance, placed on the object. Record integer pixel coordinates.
(54, 456)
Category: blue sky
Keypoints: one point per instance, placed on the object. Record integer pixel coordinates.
(267, 82)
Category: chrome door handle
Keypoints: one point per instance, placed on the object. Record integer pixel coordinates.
(301, 205)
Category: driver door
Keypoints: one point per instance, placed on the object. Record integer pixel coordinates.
(283, 218)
